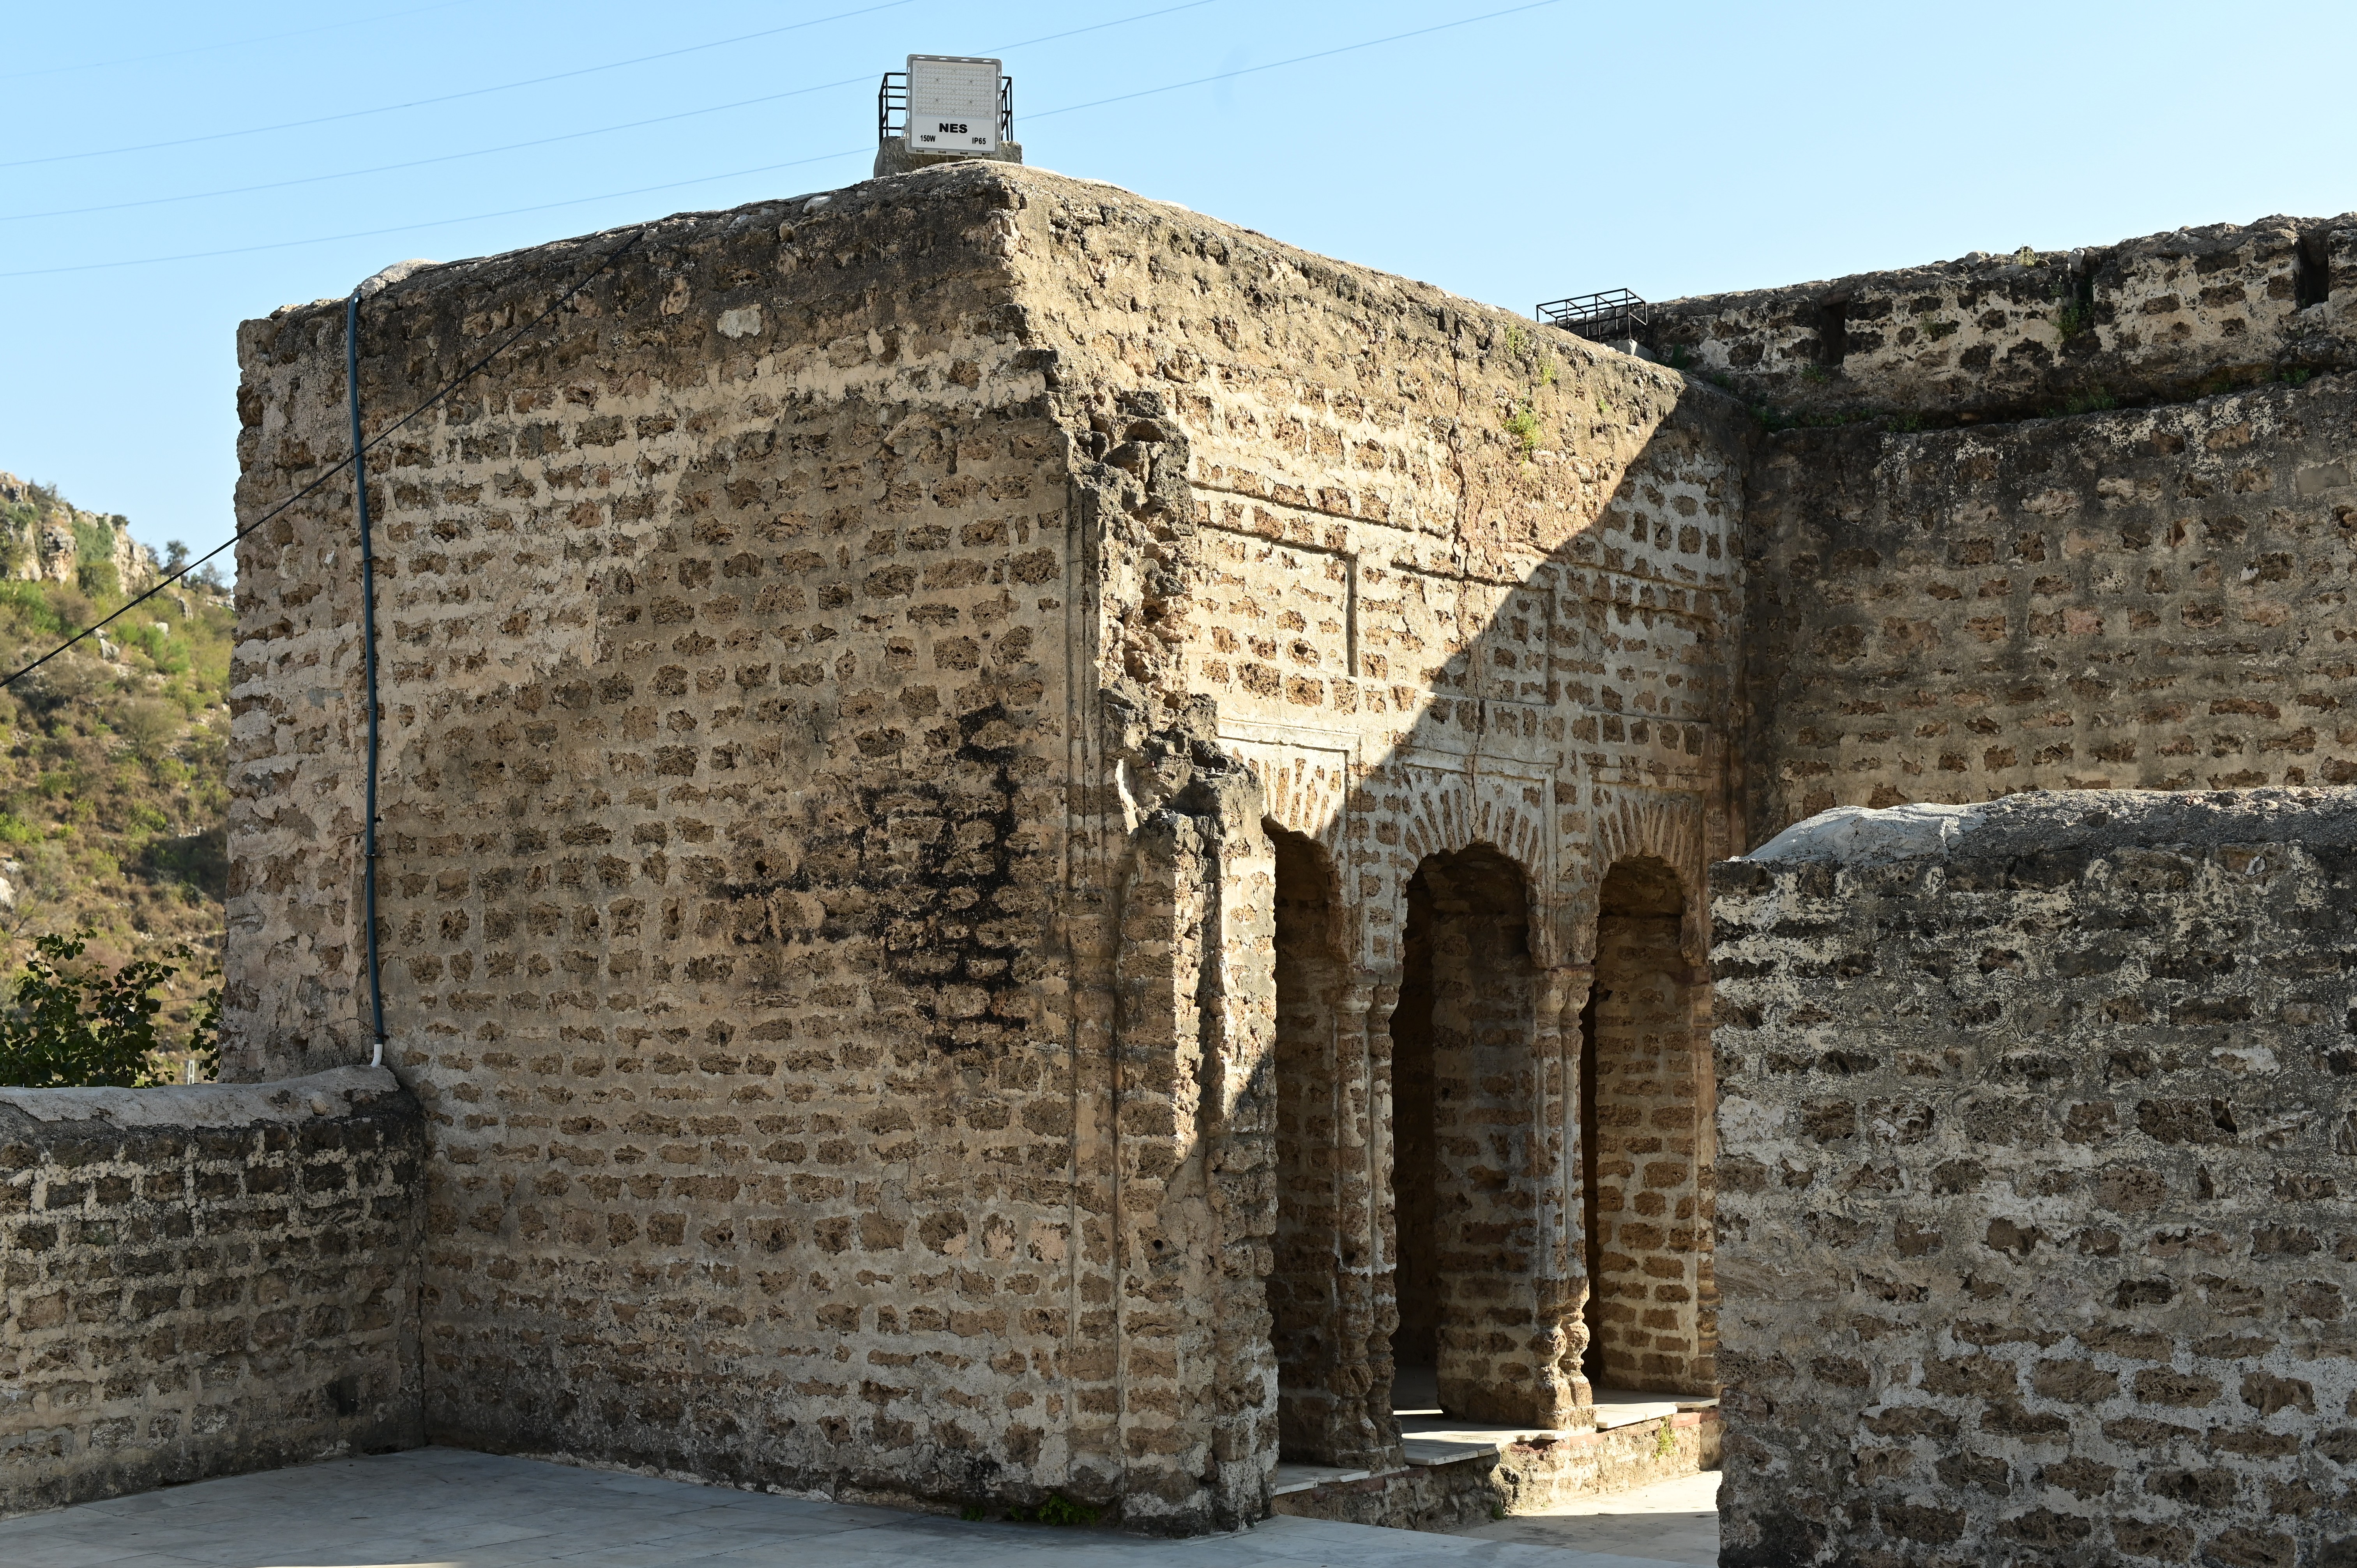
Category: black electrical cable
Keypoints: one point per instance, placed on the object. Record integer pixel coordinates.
(1295, 59)
(229, 43)
(571, 136)
(368, 658)
(766, 168)
(444, 98)
(448, 387)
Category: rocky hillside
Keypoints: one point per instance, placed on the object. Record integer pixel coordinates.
(44, 538)
(112, 793)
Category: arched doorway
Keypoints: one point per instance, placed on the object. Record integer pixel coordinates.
(1464, 1089)
(1641, 1140)
(1319, 1420)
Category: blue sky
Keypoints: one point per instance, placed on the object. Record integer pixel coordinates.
(1669, 148)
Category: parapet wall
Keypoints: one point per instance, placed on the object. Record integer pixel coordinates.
(2154, 598)
(2151, 319)
(2035, 1127)
(199, 1282)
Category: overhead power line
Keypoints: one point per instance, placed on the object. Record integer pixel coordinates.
(565, 136)
(371, 444)
(768, 168)
(450, 97)
(439, 222)
(229, 43)
(1296, 59)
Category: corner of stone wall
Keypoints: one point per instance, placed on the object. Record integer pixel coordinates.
(1195, 1112)
(2034, 1139)
(205, 1280)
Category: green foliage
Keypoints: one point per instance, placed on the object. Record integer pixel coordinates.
(75, 1026)
(1665, 1442)
(1057, 1509)
(113, 776)
(1523, 424)
(28, 603)
(2092, 401)
(1815, 373)
(99, 579)
(93, 541)
(974, 1513)
(1935, 330)
(2073, 319)
(2295, 378)
(1679, 358)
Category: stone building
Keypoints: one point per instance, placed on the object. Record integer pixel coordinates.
(2035, 1234)
(1031, 841)
(979, 773)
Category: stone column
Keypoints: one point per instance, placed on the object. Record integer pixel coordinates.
(1560, 1326)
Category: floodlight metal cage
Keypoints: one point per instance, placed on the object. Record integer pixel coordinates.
(1612, 313)
(892, 107)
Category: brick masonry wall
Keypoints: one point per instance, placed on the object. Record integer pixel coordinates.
(2034, 1230)
(199, 1282)
(727, 743)
(2159, 319)
(1652, 1317)
(788, 647)
(1446, 582)
(2154, 598)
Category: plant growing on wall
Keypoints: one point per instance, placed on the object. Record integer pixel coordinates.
(75, 1026)
(1523, 424)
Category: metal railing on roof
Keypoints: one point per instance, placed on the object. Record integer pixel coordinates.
(1611, 314)
(892, 107)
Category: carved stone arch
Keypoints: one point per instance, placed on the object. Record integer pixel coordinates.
(1302, 791)
(1667, 828)
(1451, 812)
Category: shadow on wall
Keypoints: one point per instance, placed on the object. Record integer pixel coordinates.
(1489, 1065)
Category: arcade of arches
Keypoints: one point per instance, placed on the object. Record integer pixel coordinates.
(1488, 1157)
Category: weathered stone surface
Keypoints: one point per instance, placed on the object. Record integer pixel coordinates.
(1027, 838)
(2164, 318)
(2150, 599)
(2034, 1156)
(842, 673)
(197, 1282)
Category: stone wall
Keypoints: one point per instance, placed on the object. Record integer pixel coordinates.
(2153, 598)
(1645, 1142)
(840, 670)
(199, 1282)
(2036, 1121)
(2160, 319)
(727, 752)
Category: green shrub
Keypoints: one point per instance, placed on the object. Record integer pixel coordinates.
(15, 830)
(85, 1029)
(34, 614)
(1523, 424)
(93, 541)
(99, 579)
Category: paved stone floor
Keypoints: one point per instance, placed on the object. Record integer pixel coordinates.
(1669, 1521)
(447, 1507)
